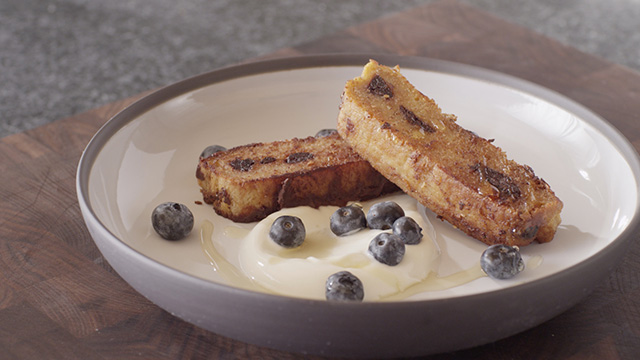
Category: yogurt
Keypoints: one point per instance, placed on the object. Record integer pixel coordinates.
(303, 271)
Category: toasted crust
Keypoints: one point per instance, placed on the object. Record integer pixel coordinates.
(462, 177)
(249, 182)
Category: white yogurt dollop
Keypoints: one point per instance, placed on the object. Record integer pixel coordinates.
(303, 271)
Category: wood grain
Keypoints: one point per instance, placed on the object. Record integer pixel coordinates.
(60, 299)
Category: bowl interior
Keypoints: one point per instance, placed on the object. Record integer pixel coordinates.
(150, 153)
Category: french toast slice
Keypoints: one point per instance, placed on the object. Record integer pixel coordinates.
(249, 182)
(463, 178)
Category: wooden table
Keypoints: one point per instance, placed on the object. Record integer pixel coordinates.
(60, 299)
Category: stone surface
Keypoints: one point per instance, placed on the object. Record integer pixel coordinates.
(61, 57)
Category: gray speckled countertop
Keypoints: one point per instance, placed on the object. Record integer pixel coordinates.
(62, 57)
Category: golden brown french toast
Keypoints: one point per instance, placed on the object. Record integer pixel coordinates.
(249, 182)
(460, 176)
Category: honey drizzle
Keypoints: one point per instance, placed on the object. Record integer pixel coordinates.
(435, 283)
(220, 265)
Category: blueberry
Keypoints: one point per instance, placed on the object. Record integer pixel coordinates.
(408, 230)
(387, 249)
(347, 220)
(383, 214)
(288, 231)
(501, 261)
(344, 286)
(172, 221)
(326, 132)
(210, 150)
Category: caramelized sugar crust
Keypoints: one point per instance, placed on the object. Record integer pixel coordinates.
(249, 182)
(465, 179)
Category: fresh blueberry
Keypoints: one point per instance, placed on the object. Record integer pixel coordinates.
(501, 261)
(172, 221)
(210, 150)
(344, 286)
(288, 231)
(408, 230)
(387, 249)
(347, 220)
(326, 132)
(383, 214)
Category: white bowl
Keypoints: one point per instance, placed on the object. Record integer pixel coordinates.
(147, 154)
